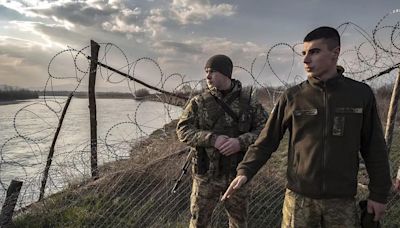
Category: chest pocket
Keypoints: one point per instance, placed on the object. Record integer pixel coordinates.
(351, 115)
(304, 118)
(305, 112)
(348, 110)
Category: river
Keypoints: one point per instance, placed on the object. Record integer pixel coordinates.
(28, 128)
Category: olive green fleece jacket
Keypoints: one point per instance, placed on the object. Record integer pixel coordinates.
(329, 124)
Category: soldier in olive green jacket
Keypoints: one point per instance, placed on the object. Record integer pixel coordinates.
(331, 119)
(219, 125)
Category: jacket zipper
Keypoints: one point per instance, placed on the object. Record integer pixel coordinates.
(325, 129)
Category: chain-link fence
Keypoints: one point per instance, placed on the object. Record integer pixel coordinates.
(141, 197)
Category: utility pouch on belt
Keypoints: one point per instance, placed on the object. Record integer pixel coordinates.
(202, 161)
(225, 164)
(245, 122)
(229, 164)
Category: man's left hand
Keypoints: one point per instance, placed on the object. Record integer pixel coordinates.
(378, 209)
(231, 146)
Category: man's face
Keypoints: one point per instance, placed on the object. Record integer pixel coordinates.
(318, 58)
(215, 79)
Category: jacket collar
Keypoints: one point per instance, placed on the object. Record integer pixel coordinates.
(330, 83)
(236, 87)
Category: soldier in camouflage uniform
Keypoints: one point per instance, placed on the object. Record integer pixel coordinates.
(331, 119)
(220, 136)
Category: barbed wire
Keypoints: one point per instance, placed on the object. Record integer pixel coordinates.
(135, 182)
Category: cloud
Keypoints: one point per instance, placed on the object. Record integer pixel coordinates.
(9, 61)
(22, 62)
(25, 51)
(196, 11)
(246, 50)
(78, 13)
(70, 22)
(22, 7)
(121, 26)
(154, 22)
(157, 31)
(61, 37)
(142, 21)
(188, 57)
(47, 35)
(169, 47)
(10, 14)
(207, 46)
(120, 17)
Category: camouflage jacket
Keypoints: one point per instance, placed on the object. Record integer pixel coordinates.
(203, 119)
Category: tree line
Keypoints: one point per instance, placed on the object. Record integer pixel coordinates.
(9, 93)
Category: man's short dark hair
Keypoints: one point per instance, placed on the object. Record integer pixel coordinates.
(330, 34)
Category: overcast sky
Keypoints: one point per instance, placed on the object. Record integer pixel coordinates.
(179, 34)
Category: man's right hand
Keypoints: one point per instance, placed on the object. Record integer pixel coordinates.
(378, 209)
(235, 184)
(397, 185)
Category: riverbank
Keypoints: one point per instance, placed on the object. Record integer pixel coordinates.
(9, 94)
(164, 98)
(9, 102)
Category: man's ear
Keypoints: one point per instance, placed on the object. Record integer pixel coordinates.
(336, 52)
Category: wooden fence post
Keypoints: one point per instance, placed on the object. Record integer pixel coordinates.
(9, 204)
(94, 51)
(391, 118)
(51, 152)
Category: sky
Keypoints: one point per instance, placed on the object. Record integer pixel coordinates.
(179, 35)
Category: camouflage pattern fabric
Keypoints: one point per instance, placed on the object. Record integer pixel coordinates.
(206, 193)
(201, 121)
(300, 211)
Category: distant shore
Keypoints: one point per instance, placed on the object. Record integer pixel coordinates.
(152, 97)
(172, 100)
(11, 102)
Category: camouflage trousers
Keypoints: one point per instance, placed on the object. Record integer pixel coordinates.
(206, 194)
(300, 211)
